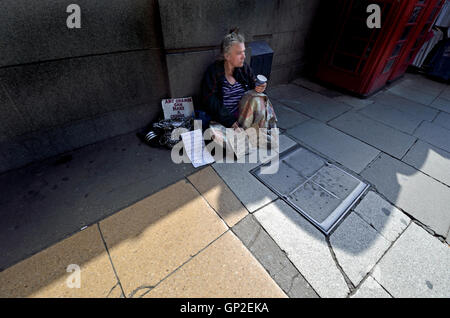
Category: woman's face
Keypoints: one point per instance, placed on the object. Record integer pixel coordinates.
(236, 56)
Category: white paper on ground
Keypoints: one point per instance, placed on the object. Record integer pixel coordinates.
(195, 148)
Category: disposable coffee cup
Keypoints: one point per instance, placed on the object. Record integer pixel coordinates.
(260, 80)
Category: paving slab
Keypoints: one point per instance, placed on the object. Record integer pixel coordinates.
(304, 161)
(434, 134)
(357, 247)
(293, 282)
(47, 201)
(371, 289)
(417, 265)
(376, 134)
(250, 191)
(285, 180)
(253, 236)
(336, 181)
(45, 275)
(150, 239)
(417, 91)
(315, 105)
(446, 93)
(334, 144)
(305, 246)
(392, 117)
(405, 105)
(219, 196)
(431, 160)
(274, 260)
(306, 83)
(389, 221)
(355, 102)
(314, 201)
(418, 195)
(422, 83)
(287, 117)
(286, 91)
(225, 269)
(442, 104)
(443, 119)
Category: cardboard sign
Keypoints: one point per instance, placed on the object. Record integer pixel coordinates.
(178, 108)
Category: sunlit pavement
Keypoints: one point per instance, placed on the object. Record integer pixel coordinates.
(118, 219)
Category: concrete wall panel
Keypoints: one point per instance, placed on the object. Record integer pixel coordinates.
(37, 31)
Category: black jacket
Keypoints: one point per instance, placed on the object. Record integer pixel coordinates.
(212, 94)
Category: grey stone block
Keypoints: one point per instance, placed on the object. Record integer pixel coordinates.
(418, 195)
(308, 84)
(342, 148)
(38, 31)
(313, 104)
(285, 91)
(435, 135)
(406, 105)
(261, 245)
(415, 91)
(355, 102)
(442, 104)
(417, 265)
(374, 133)
(371, 289)
(431, 160)
(392, 117)
(287, 118)
(274, 260)
(59, 92)
(389, 221)
(285, 180)
(358, 247)
(446, 94)
(443, 119)
(247, 230)
(421, 83)
(305, 246)
(336, 181)
(293, 283)
(305, 162)
(314, 201)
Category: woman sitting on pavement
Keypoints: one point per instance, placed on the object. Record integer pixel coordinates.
(229, 93)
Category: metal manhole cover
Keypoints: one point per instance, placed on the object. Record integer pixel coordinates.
(320, 191)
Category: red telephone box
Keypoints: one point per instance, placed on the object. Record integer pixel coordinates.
(422, 19)
(361, 59)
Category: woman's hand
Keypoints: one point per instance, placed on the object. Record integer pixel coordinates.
(236, 127)
(261, 88)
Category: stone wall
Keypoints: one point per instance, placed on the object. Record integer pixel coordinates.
(61, 89)
(193, 30)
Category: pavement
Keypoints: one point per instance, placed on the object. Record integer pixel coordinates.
(120, 219)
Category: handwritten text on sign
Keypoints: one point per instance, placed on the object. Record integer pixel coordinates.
(178, 108)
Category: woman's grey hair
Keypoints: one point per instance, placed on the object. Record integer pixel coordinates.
(229, 40)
